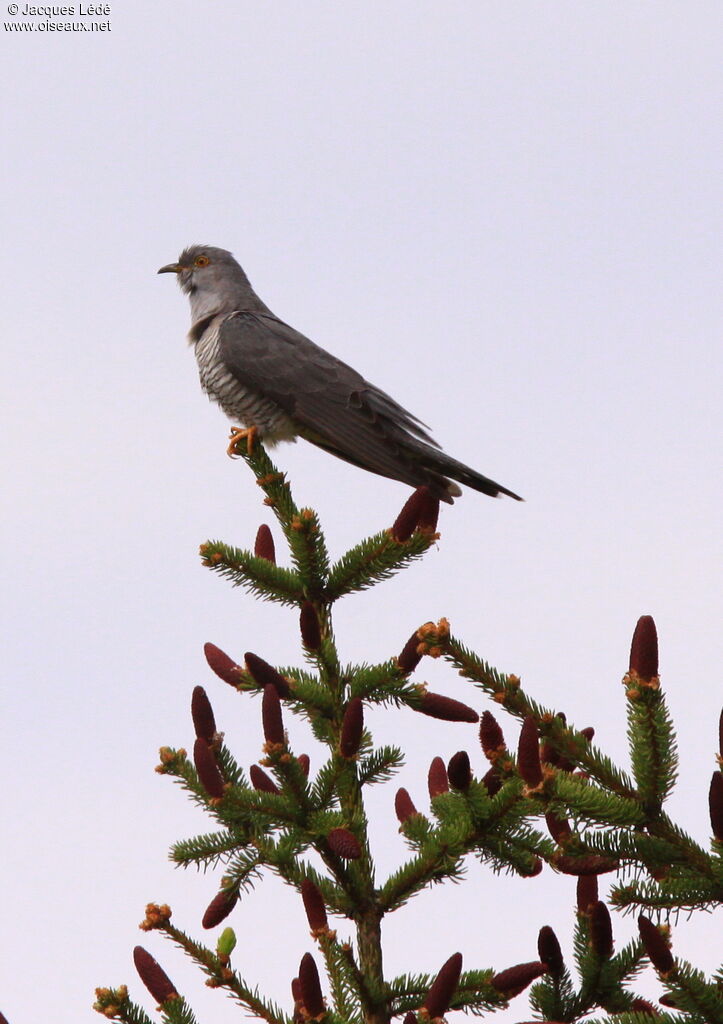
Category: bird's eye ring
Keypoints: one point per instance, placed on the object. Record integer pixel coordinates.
(202, 261)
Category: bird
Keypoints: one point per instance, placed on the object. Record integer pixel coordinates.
(280, 385)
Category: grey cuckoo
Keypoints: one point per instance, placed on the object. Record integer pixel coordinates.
(279, 385)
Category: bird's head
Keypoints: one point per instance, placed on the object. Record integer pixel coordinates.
(203, 268)
(213, 281)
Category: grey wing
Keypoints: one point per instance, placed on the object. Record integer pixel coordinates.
(331, 404)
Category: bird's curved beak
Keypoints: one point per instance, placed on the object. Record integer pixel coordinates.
(171, 268)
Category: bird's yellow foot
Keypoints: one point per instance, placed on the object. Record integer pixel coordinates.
(238, 434)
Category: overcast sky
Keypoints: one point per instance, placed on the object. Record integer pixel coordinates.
(508, 215)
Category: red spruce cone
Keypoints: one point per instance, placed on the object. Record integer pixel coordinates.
(437, 778)
(261, 781)
(459, 771)
(420, 511)
(410, 656)
(410, 1018)
(207, 768)
(304, 763)
(220, 663)
(344, 844)
(588, 864)
(352, 727)
(490, 735)
(528, 753)
(263, 674)
(586, 893)
(644, 649)
(667, 1000)
(548, 949)
(643, 1006)
(559, 828)
(443, 987)
(264, 545)
(715, 804)
(219, 908)
(437, 706)
(655, 946)
(271, 717)
(202, 714)
(720, 734)
(310, 987)
(492, 781)
(153, 976)
(310, 627)
(588, 732)
(601, 930)
(403, 805)
(314, 906)
(516, 979)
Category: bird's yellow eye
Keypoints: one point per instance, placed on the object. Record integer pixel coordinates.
(202, 261)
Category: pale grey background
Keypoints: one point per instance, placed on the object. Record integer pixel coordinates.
(506, 214)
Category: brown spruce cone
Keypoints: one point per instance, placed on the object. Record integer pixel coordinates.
(410, 656)
(492, 781)
(655, 946)
(419, 512)
(443, 987)
(516, 979)
(587, 864)
(587, 893)
(304, 763)
(528, 753)
(209, 773)
(559, 828)
(459, 771)
(644, 649)
(261, 781)
(271, 717)
(437, 781)
(310, 987)
(310, 626)
(314, 906)
(601, 930)
(219, 908)
(202, 714)
(263, 674)
(403, 805)
(548, 949)
(715, 805)
(264, 544)
(643, 1006)
(344, 844)
(220, 663)
(153, 976)
(490, 736)
(352, 728)
(438, 706)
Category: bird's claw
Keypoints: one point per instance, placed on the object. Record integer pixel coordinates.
(238, 434)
